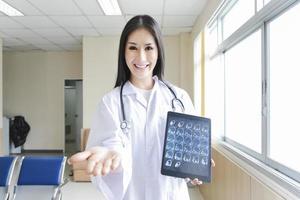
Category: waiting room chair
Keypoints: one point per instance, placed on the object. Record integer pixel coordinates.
(7, 165)
(40, 178)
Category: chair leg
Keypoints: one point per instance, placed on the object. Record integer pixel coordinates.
(57, 194)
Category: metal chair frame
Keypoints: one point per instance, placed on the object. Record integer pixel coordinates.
(10, 175)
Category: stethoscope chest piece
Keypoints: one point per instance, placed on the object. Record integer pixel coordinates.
(125, 125)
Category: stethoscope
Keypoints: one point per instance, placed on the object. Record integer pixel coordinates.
(125, 125)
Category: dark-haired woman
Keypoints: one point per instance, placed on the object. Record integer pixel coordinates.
(125, 145)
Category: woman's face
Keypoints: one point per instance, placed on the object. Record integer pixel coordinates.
(141, 55)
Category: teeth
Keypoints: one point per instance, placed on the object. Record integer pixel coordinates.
(141, 66)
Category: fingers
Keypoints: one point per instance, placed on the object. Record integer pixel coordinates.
(91, 166)
(100, 161)
(95, 162)
(106, 166)
(78, 157)
(97, 171)
(213, 164)
(111, 163)
(196, 182)
(115, 162)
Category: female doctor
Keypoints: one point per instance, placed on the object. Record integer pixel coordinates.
(125, 146)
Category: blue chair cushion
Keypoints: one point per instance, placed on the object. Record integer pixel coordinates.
(41, 171)
(5, 164)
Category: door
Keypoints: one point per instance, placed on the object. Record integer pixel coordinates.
(73, 115)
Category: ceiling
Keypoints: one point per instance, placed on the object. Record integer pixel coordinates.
(58, 25)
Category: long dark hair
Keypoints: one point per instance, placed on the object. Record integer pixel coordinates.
(140, 21)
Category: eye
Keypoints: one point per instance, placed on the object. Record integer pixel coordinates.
(149, 48)
(132, 48)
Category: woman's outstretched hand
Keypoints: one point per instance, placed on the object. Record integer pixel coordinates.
(196, 181)
(101, 160)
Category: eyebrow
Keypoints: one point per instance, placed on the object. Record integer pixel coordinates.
(147, 44)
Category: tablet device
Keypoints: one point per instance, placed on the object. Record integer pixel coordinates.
(187, 147)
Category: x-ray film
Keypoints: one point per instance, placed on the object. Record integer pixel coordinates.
(187, 147)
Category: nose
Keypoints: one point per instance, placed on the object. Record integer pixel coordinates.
(142, 56)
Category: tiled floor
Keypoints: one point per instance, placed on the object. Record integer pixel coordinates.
(79, 191)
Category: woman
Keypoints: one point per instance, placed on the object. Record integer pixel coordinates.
(126, 161)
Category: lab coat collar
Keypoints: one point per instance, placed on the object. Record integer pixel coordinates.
(129, 88)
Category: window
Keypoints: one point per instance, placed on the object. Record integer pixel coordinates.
(284, 70)
(214, 95)
(211, 38)
(261, 3)
(243, 92)
(240, 12)
(214, 82)
(252, 80)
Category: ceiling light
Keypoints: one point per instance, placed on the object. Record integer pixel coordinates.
(110, 7)
(8, 10)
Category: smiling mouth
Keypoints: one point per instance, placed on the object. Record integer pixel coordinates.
(141, 66)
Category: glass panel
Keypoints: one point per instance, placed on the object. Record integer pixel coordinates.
(259, 5)
(284, 88)
(214, 95)
(237, 16)
(211, 41)
(243, 92)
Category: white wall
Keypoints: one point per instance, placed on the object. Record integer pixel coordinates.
(100, 56)
(33, 86)
(186, 64)
(172, 58)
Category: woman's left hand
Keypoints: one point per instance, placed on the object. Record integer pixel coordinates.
(196, 181)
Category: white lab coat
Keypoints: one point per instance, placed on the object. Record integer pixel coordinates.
(138, 177)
